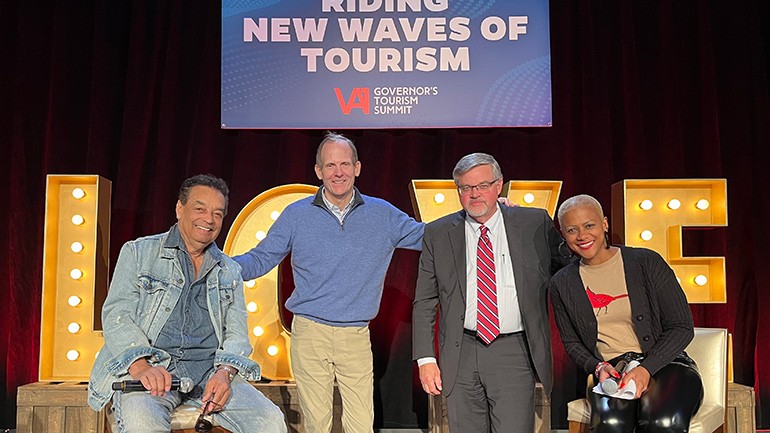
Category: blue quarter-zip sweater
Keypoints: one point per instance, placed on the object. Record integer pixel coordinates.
(339, 268)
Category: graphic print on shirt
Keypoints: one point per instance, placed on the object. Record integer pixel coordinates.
(601, 300)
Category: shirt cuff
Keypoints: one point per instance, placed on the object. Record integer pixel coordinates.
(426, 360)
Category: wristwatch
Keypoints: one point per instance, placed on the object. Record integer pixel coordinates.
(231, 372)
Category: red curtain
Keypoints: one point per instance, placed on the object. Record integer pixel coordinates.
(130, 91)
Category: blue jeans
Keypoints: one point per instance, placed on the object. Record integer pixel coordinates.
(248, 410)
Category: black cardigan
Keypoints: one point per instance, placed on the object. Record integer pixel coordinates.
(662, 319)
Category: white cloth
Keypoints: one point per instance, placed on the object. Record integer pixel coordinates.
(628, 392)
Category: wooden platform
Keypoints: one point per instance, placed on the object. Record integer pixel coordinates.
(61, 407)
(56, 407)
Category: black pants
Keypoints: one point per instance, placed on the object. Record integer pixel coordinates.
(673, 396)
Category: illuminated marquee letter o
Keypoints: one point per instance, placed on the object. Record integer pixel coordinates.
(269, 336)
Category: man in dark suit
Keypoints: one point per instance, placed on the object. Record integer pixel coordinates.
(488, 268)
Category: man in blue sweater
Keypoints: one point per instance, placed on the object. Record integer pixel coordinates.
(341, 244)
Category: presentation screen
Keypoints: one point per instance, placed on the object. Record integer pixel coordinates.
(339, 64)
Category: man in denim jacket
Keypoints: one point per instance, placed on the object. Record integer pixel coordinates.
(175, 308)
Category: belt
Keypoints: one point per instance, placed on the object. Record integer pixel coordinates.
(473, 333)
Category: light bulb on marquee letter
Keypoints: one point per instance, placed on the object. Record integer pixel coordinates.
(439, 198)
(73, 327)
(78, 219)
(73, 355)
(78, 193)
(74, 301)
(251, 307)
(674, 204)
(272, 350)
(646, 204)
(646, 235)
(258, 331)
(701, 280)
(76, 274)
(76, 247)
(529, 198)
(702, 204)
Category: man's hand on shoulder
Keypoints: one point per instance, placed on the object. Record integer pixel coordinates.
(155, 379)
(430, 378)
(504, 201)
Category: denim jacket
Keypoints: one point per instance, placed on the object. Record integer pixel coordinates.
(145, 287)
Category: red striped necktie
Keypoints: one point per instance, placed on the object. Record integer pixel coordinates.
(487, 320)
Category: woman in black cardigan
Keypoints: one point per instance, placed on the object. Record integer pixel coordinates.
(623, 303)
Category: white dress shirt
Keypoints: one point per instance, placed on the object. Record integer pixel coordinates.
(507, 298)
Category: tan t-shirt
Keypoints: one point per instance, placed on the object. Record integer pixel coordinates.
(605, 286)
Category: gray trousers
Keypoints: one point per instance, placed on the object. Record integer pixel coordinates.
(495, 387)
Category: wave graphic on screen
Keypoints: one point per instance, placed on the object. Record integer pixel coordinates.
(520, 96)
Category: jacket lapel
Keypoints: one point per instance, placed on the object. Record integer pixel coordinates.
(457, 243)
(513, 234)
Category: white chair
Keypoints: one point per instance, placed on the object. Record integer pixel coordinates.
(709, 350)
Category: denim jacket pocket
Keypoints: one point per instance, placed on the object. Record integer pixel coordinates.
(226, 295)
(152, 291)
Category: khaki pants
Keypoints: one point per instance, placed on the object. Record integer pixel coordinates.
(319, 355)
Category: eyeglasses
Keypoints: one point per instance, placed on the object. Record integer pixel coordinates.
(202, 425)
(482, 187)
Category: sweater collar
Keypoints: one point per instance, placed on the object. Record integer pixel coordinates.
(318, 200)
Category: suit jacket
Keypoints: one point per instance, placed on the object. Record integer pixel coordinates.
(660, 313)
(533, 243)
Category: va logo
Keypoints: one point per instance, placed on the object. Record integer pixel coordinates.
(359, 98)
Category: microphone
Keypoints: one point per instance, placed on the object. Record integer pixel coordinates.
(610, 384)
(184, 384)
